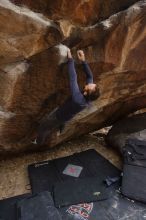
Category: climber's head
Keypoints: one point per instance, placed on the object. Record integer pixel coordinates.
(91, 92)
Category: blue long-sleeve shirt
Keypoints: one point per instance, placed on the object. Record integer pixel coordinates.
(77, 101)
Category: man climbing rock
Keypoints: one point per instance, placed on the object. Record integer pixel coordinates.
(74, 104)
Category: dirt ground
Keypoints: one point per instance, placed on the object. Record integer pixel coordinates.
(13, 172)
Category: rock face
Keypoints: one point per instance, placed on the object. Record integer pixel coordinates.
(76, 11)
(130, 127)
(33, 75)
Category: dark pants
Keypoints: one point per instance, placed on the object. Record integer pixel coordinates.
(48, 124)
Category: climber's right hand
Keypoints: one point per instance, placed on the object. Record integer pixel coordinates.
(69, 55)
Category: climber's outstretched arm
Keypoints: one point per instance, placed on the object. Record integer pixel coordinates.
(77, 96)
(86, 68)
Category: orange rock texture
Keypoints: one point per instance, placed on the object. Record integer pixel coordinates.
(34, 38)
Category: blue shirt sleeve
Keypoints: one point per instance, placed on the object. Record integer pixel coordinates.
(88, 72)
(77, 96)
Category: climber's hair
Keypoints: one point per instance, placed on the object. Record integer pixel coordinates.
(93, 95)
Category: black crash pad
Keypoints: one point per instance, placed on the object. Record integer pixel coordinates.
(76, 191)
(8, 207)
(37, 207)
(29, 207)
(89, 163)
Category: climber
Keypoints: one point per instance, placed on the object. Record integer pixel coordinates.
(74, 104)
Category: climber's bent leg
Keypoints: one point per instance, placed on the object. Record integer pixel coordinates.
(46, 127)
(42, 136)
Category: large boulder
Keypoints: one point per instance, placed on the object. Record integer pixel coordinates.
(33, 74)
(129, 127)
